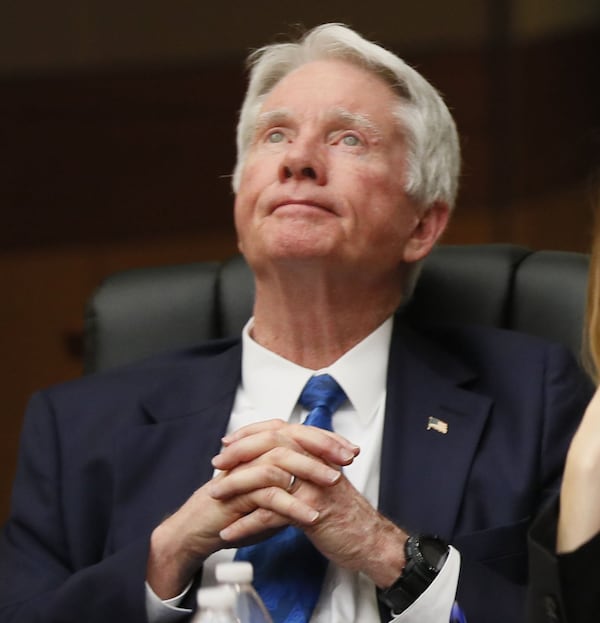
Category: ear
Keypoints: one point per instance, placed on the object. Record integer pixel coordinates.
(429, 228)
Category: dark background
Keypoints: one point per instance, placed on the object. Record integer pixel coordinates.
(117, 141)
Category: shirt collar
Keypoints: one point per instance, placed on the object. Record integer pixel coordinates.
(273, 384)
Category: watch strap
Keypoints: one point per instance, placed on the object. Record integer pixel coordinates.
(425, 556)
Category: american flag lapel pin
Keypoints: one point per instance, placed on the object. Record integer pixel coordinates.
(437, 425)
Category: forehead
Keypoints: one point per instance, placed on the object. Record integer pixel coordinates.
(326, 86)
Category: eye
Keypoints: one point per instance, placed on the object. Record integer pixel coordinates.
(351, 140)
(276, 136)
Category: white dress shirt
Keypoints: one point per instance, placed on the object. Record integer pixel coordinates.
(270, 388)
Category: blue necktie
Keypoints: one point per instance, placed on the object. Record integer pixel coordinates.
(288, 569)
(457, 615)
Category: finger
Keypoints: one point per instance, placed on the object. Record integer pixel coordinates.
(247, 480)
(276, 425)
(252, 429)
(264, 474)
(327, 445)
(244, 531)
(264, 524)
(264, 519)
(249, 448)
(294, 509)
(305, 466)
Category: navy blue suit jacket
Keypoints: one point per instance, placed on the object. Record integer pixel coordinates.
(105, 458)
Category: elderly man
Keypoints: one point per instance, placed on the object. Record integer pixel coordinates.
(133, 484)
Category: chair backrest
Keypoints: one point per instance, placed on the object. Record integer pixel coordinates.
(136, 313)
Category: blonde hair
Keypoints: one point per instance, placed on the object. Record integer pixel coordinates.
(591, 336)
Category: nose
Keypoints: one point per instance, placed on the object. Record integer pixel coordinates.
(289, 171)
(303, 161)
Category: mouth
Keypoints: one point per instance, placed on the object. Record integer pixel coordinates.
(300, 204)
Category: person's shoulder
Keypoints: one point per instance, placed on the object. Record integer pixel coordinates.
(150, 372)
(89, 415)
(481, 337)
(500, 352)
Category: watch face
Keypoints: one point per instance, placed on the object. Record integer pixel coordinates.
(434, 552)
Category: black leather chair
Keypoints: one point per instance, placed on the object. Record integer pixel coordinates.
(137, 313)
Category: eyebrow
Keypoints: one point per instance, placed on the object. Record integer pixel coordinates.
(338, 115)
(356, 120)
(272, 118)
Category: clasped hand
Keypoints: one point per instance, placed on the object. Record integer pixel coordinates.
(249, 499)
(258, 459)
(262, 460)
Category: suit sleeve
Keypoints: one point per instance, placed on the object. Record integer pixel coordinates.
(49, 573)
(495, 591)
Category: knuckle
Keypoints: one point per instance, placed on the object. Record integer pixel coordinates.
(273, 438)
(269, 494)
(263, 516)
(278, 453)
(271, 473)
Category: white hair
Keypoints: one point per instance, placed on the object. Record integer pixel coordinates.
(433, 152)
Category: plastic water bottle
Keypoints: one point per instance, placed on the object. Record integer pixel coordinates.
(249, 606)
(216, 604)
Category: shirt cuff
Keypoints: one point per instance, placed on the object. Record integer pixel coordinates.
(167, 610)
(435, 603)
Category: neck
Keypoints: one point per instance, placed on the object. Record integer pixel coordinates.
(314, 321)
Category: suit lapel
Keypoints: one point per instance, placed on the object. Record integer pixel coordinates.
(424, 472)
(161, 463)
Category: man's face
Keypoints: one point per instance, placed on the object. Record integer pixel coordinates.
(325, 173)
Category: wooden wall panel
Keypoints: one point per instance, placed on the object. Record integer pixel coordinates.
(104, 157)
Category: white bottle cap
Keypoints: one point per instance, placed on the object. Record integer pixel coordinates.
(237, 572)
(217, 597)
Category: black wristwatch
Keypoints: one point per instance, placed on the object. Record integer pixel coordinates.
(425, 556)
